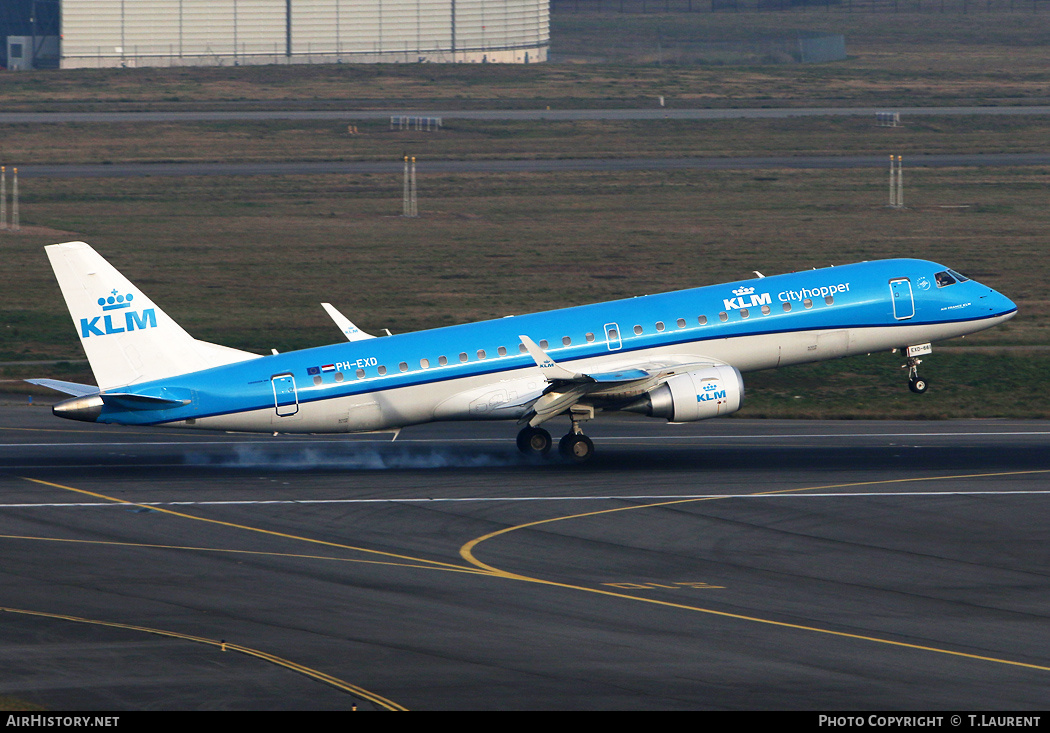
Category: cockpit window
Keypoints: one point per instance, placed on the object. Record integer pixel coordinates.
(957, 276)
(944, 279)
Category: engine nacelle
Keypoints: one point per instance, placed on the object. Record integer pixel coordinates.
(710, 392)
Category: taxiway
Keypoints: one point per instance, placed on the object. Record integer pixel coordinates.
(731, 564)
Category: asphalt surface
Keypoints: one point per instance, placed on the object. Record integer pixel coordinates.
(656, 113)
(121, 170)
(125, 170)
(731, 564)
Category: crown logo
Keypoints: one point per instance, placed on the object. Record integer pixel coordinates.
(115, 301)
(743, 291)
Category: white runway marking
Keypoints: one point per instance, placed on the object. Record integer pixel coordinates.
(349, 441)
(629, 497)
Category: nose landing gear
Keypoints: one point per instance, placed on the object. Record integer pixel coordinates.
(916, 384)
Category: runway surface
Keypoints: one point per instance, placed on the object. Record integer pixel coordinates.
(731, 564)
(124, 170)
(660, 113)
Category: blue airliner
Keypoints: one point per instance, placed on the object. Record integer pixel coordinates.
(677, 356)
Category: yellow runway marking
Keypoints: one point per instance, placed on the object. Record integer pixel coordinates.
(227, 646)
(148, 546)
(467, 552)
(478, 567)
(429, 563)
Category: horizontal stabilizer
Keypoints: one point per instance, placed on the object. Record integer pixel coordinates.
(73, 388)
(126, 401)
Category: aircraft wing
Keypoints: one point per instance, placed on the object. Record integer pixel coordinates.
(567, 388)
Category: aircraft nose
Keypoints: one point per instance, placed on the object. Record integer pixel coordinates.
(1000, 304)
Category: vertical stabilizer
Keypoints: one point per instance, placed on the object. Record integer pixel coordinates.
(126, 336)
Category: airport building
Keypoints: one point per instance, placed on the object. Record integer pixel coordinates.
(131, 33)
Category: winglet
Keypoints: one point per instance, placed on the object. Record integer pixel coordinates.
(551, 369)
(352, 332)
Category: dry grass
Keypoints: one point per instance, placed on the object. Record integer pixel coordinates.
(464, 139)
(488, 244)
(245, 261)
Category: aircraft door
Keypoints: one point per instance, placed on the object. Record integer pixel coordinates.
(285, 397)
(903, 300)
(612, 336)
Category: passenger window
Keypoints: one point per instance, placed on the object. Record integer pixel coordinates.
(613, 335)
(566, 341)
(442, 360)
(659, 325)
(382, 370)
(403, 366)
(765, 310)
(829, 299)
(463, 356)
(360, 373)
(521, 348)
(723, 316)
(544, 344)
(481, 353)
(502, 351)
(638, 330)
(744, 313)
(702, 320)
(590, 337)
(317, 380)
(787, 307)
(681, 323)
(424, 363)
(808, 303)
(339, 376)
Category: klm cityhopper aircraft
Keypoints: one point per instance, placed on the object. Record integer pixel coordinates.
(677, 355)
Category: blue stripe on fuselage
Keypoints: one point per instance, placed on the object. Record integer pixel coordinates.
(861, 294)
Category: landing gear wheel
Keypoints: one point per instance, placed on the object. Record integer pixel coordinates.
(534, 441)
(918, 385)
(577, 447)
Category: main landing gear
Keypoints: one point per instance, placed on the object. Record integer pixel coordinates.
(575, 446)
(534, 441)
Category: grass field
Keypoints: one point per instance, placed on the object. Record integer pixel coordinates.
(245, 261)
(478, 140)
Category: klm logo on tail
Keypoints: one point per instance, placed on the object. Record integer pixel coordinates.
(146, 318)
